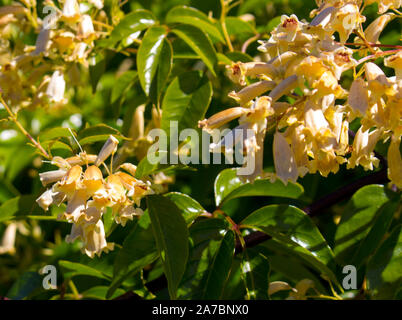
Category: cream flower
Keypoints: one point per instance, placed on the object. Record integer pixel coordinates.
(8, 241)
(56, 87)
(363, 147)
(395, 162)
(284, 159)
(71, 11)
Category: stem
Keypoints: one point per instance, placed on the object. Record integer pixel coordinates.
(374, 45)
(378, 55)
(248, 42)
(235, 227)
(74, 290)
(223, 25)
(13, 117)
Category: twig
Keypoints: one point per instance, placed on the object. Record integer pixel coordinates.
(13, 117)
(223, 25)
(377, 55)
(249, 41)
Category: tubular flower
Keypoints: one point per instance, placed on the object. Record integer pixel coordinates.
(303, 62)
(88, 195)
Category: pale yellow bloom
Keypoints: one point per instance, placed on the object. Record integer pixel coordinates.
(56, 87)
(385, 5)
(110, 147)
(284, 159)
(8, 241)
(395, 162)
(363, 147)
(71, 11)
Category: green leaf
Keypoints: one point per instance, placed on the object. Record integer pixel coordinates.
(206, 236)
(171, 235)
(190, 208)
(136, 21)
(199, 42)
(25, 285)
(97, 67)
(239, 28)
(149, 55)
(186, 100)
(100, 132)
(53, 145)
(293, 264)
(381, 225)
(357, 219)
(294, 228)
(255, 272)
(220, 269)
(80, 269)
(54, 133)
(383, 274)
(139, 250)
(123, 84)
(181, 50)
(99, 292)
(196, 18)
(236, 56)
(18, 207)
(163, 72)
(146, 168)
(229, 186)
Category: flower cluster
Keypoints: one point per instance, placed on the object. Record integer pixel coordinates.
(35, 75)
(307, 105)
(88, 195)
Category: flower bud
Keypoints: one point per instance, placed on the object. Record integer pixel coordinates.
(221, 118)
(51, 176)
(250, 92)
(108, 148)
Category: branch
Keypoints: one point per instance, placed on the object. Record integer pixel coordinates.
(13, 117)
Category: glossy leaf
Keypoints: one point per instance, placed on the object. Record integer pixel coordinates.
(220, 268)
(100, 132)
(186, 100)
(196, 18)
(171, 235)
(381, 224)
(206, 236)
(199, 42)
(295, 229)
(255, 272)
(97, 67)
(135, 21)
(384, 268)
(99, 293)
(357, 219)
(80, 269)
(139, 250)
(229, 186)
(149, 55)
(54, 133)
(189, 207)
(18, 207)
(239, 28)
(163, 71)
(123, 84)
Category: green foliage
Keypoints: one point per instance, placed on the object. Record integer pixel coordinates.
(172, 56)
